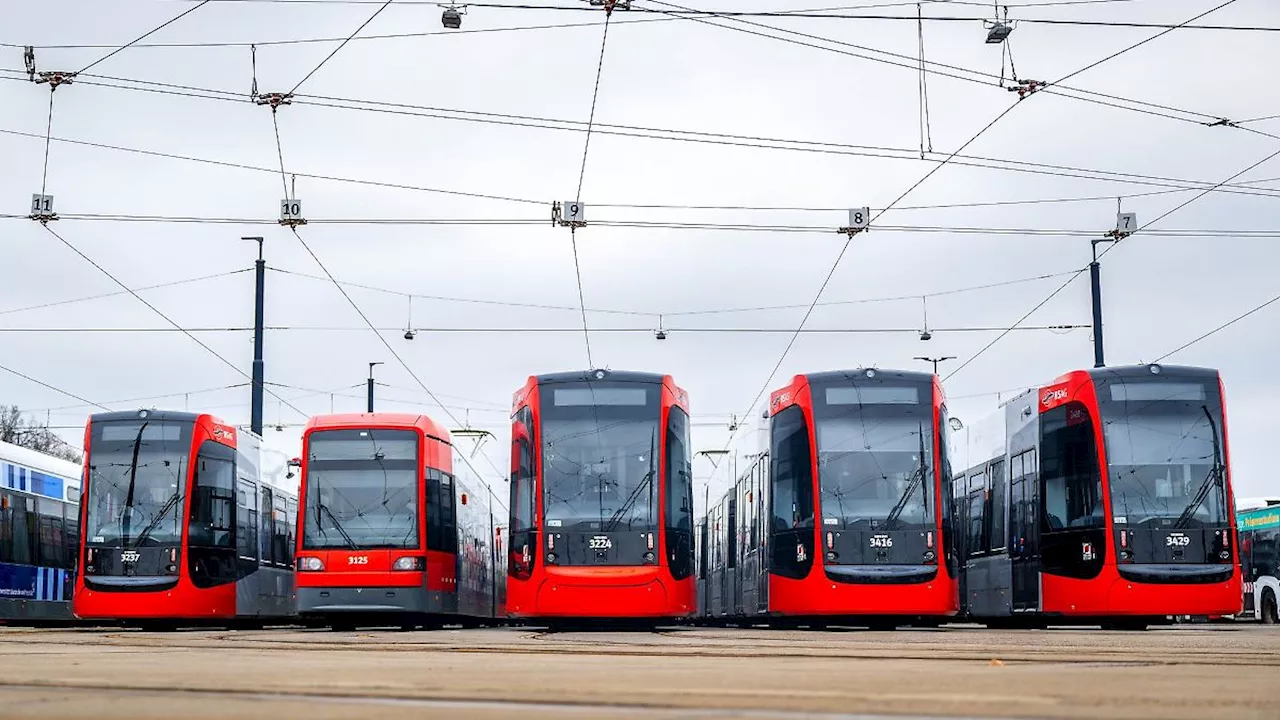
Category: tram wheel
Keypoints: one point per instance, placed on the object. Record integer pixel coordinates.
(1270, 616)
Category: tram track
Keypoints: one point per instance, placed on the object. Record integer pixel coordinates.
(460, 704)
(657, 644)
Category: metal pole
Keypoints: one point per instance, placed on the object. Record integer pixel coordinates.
(371, 366)
(259, 312)
(1095, 282)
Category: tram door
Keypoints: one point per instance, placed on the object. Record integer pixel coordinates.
(1024, 535)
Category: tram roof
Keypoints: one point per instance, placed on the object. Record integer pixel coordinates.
(160, 415)
(378, 419)
(860, 374)
(576, 376)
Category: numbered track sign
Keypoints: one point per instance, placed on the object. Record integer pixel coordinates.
(291, 209)
(859, 218)
(41, 204)
(1126, 222)
(573, 211)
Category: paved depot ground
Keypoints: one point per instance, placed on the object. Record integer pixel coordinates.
(1218, 672)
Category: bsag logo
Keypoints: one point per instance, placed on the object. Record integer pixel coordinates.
(130, 556)
(1053, 396)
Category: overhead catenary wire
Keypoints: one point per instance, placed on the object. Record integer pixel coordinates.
(1219, 328)
(906, 61)
(729, 140)
(202, 391)
(538, 330)
(159, 312)
(804, 320)
(582, 175)
(667, 225)
(54, 388)
(341, 45)
(147, 34)
(351, 301)
(1106, 250)
(100, 296)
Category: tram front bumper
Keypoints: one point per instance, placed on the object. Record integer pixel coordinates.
(363, 600)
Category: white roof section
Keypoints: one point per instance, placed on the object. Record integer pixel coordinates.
(41, 462)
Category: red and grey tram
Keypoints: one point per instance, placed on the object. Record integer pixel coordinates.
(838, 519)
(185, 519)
(1103, 498)
(395, 529)
(601, 499)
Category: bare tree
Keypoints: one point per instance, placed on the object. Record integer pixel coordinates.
(15, 429)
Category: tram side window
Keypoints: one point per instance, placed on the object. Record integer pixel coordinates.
(679, 495)
(71, 548)
(523, 501)
(753, 502)
(977, 539)
(291, 530)
(702, 551)
(995, 509)
(49, 532)
(792, 472)
(212, 521)
(264, 526)
(1023, 469)
(442, 527)
(1069, 466)
(280, 553)
(246, 528)
(17, 529)
(732, 553)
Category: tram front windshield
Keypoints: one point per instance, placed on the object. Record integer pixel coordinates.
(874, 449)
(1165, 461)
(362, 490)
(600, 456)
(137, 482)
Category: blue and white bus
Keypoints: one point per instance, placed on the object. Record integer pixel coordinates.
(39, 529)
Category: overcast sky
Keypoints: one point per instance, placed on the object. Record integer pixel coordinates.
(1160, 291)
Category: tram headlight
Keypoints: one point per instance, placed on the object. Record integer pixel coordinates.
(413, 562)
(310, 564)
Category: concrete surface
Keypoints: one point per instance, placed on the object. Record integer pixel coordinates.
(1218, 672)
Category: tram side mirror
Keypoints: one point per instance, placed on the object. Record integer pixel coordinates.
(955, 424)
(294, 463)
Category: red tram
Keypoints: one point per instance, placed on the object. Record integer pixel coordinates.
(839, 517)
(601, 499)
(185, 519)
(1103, 498)
(394, 531)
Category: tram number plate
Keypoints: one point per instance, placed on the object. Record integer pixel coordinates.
(1176, 540)
(881, 541)
(358, 560)
(600, 542)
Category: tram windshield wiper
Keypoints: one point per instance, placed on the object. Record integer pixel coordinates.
(917, 477)
(1211, 480)
(169, 504)
(322, 508)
